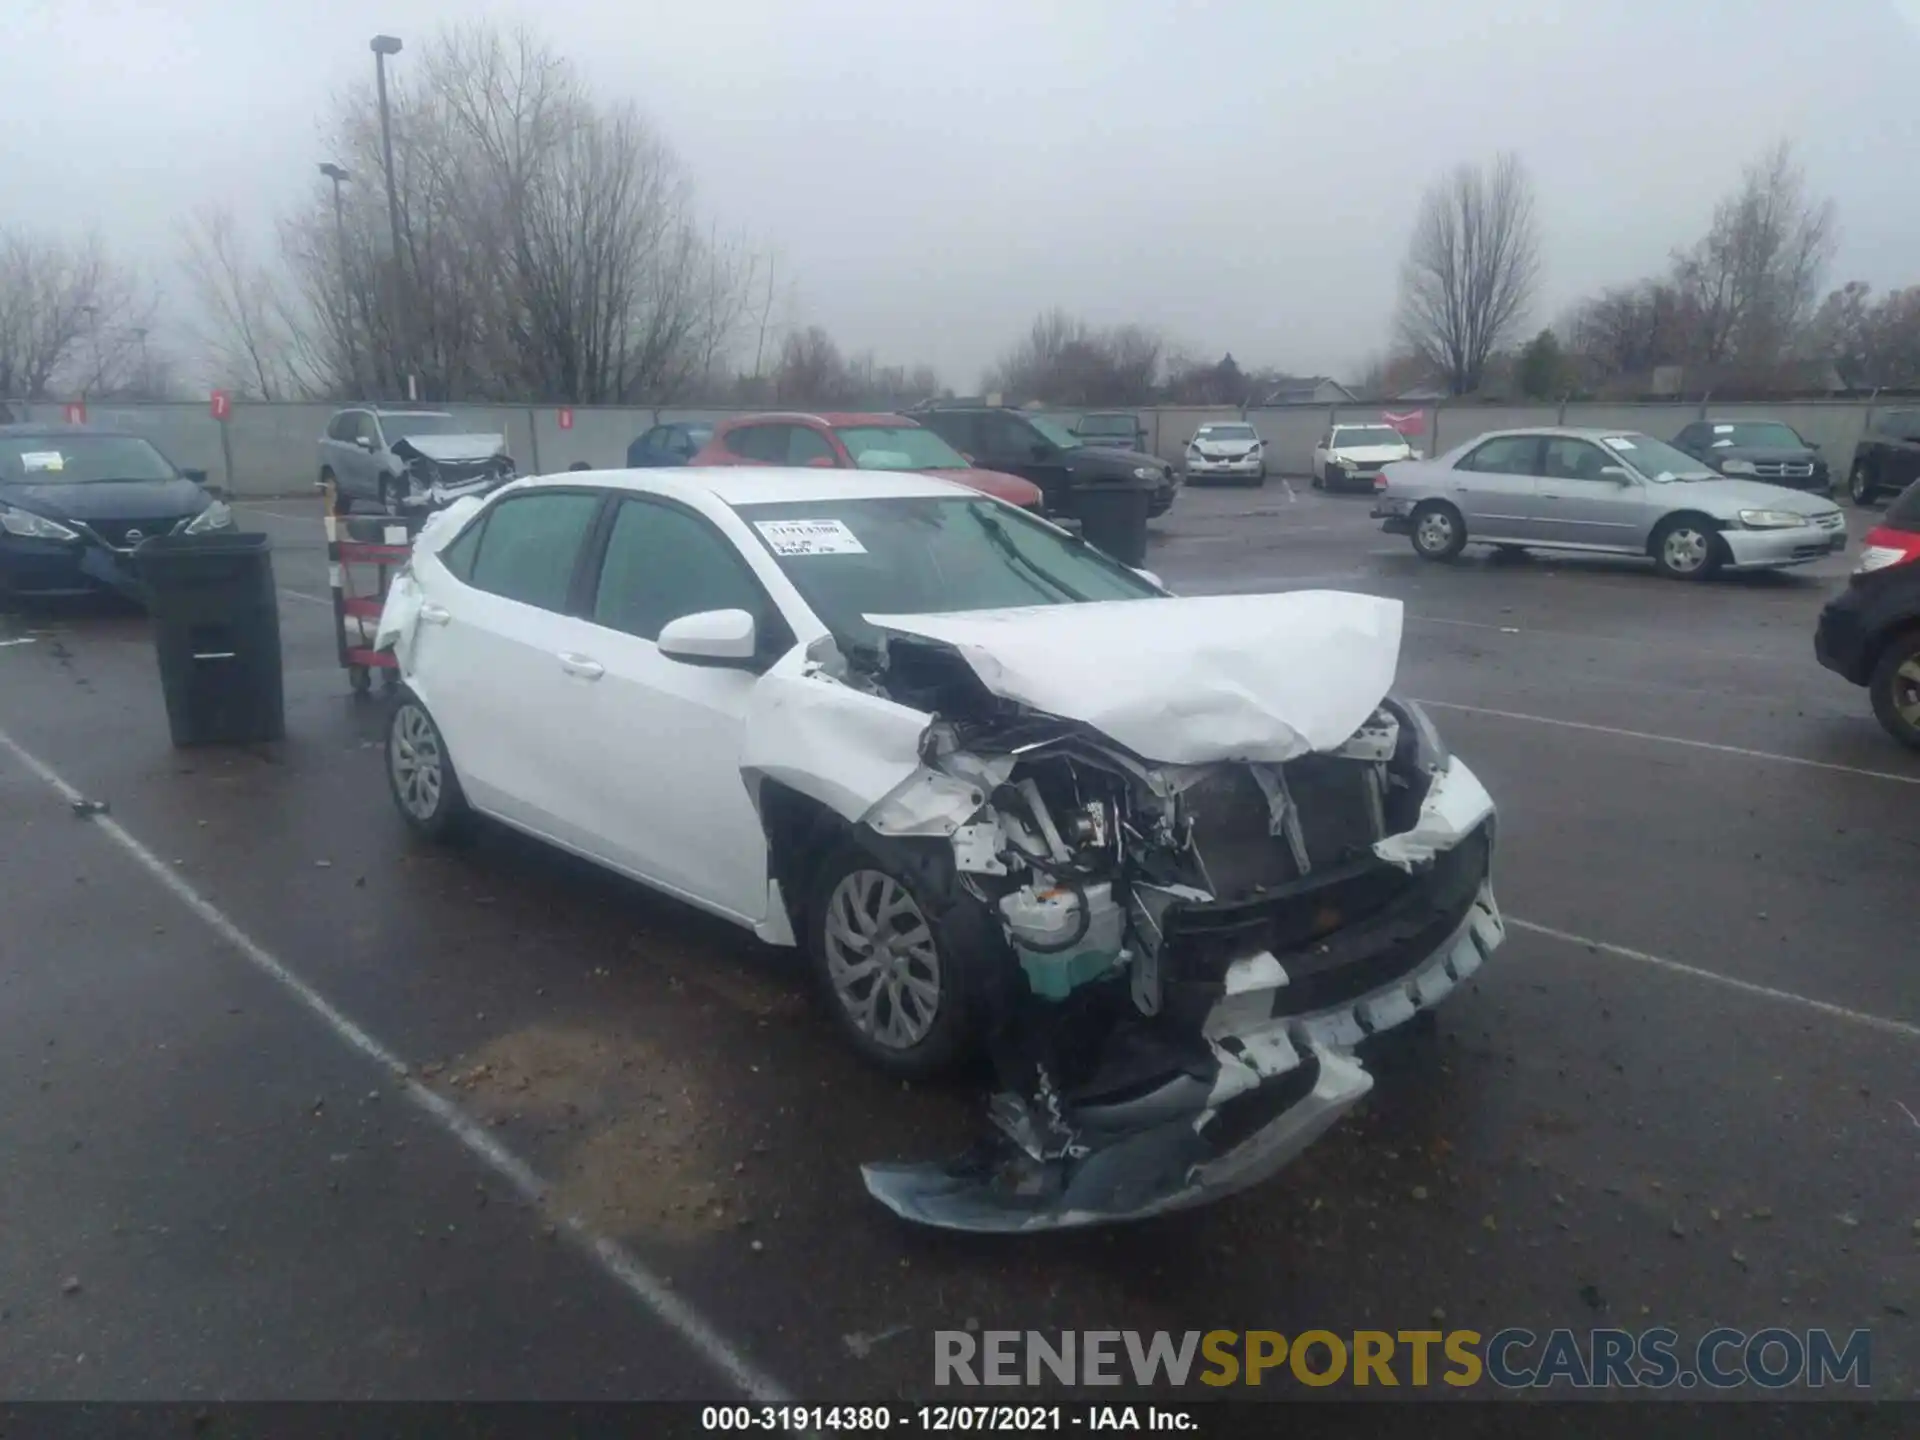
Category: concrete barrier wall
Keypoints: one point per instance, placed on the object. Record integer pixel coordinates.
(275, 446)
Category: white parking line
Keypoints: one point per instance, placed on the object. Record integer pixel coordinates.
(613, 1260)
(253, 509)
(1740, 750)
(1838, 1012)
(303, 595)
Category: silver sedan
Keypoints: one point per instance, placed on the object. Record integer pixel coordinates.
(1608, 491)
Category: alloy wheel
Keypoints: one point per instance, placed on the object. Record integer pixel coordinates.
(1435, 532)
(882, 960)
(416, 762)
(1685, 550)
(1906, 692)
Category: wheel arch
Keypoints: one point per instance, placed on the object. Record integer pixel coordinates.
(1666, 522)
(1875, 650)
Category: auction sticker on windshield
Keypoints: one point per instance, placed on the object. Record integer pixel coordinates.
(809, 537)
(43, 460)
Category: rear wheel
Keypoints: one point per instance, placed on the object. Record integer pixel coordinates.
(1686, 548)
(1439, 532)
(1895, 689)
(1860, 487)
(420, 774)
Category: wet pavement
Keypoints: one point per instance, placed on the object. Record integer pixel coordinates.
(1684, 1092)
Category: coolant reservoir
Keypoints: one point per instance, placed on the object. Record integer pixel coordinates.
(1041, 922)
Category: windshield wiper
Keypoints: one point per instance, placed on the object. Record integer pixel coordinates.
(1003, 542)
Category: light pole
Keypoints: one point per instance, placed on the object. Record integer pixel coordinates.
(383, 46)
(340, 177)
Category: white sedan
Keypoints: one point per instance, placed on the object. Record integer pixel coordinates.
(1169, 860)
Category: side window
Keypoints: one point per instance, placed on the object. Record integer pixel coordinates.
(959, 431)
(1688, 438)
(531, 545)
(1504, 455)
(340, 427)
(1007, 437)
(805, 444)
(765, 443)
(458, 554)
(1573, 460)
(662, 563)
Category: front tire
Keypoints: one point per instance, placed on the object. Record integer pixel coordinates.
(1439, 532)
(1895, 689)
(1686, 548)
(1860, 486)
(420, 774)
(888, 972)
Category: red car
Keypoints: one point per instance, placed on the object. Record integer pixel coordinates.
(856, 442)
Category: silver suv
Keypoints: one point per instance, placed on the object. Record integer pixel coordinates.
(397, 461)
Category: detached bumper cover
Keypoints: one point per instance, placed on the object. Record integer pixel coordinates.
(1281, 990)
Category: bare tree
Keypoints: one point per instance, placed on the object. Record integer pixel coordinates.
(1631, 329)
(1870, 343)
(1064, 361)
(243, 323)
(69, 316)
(811, 371)
(1753, 279)
(1471, 269)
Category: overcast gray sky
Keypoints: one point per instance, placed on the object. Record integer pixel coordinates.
(1239, 173)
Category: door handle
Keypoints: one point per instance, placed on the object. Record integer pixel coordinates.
(435, 614)
(585, 666)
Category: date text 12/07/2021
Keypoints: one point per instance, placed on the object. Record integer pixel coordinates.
(948, 1419)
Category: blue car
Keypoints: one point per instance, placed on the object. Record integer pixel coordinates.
(675, 443)
(76, 501)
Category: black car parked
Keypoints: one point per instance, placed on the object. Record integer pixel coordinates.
(1870, 632)
(674, 443)
(1035, 448)
(1887, 459)
(75, 502)
(1758, 450)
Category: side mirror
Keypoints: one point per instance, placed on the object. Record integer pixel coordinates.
(725, 638)
(1148, 576)
(199, 477)
(822, 462)
(1619, 474)
(365, 442)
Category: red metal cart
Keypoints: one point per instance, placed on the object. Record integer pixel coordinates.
(363, 551)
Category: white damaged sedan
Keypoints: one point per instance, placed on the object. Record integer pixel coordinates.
(1168, 861)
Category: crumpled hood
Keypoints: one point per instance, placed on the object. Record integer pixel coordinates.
(453, 447)
(1230, 449)
(1191, 680)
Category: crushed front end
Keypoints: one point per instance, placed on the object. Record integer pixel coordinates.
(1192, 952)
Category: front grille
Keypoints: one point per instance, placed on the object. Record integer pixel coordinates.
(1832, 520)
(462, 472)
(1336, 818)
(120, 534)
(1784, 469)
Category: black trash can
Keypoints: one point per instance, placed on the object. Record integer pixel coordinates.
(216, 630)
(1113, 515)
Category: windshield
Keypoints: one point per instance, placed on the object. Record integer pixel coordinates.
(1108, 425)
(1761, 434)
(918, 555)
(1056, 432)
(1657, 460)
(405, 427)
(1226, 432)
(1367, 435)
(80, 459)
(898, 447)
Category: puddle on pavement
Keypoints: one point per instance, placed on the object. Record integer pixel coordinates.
(642, 1145)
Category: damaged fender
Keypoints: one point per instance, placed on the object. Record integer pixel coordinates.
(400, 614)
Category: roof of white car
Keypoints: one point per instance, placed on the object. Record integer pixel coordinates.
(767, 484)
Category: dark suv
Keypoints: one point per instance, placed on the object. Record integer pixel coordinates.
(1870, 632)
(1035, 448)
(1887, 459)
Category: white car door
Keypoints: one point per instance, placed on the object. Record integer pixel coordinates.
(1320, 452)
(489, 655)
(655, 757)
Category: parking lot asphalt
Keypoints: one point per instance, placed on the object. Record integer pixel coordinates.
(295, 1107)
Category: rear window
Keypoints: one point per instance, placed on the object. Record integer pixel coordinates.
(1904, 513)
